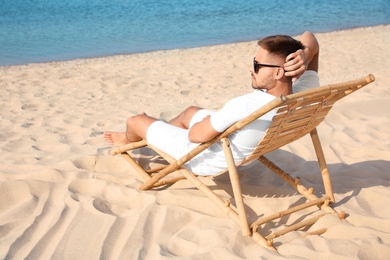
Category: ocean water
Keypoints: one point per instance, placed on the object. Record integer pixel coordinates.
(54, 30)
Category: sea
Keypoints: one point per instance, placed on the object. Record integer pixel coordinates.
(56, 30)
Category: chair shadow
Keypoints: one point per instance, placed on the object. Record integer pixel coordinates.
(257, 181)
(259, 175)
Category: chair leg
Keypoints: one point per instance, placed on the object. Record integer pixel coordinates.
(323, 166)
(136, 166)
(233, 174)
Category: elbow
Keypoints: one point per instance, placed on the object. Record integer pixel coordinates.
(309, 34)
(199, 137)
(195, 139)
(201, 132)
(313, 39)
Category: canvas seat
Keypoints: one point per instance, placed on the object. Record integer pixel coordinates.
(297, 115)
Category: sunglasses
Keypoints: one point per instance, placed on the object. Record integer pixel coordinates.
(257, 66)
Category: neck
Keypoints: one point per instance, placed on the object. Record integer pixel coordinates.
(281, 89)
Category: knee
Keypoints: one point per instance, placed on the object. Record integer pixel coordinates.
(140, 123)
(131, 121)
(193, 108)
(190, 111)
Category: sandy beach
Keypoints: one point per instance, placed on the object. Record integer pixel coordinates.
(63, 196)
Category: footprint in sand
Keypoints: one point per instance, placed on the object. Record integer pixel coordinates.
(103, 163)
(110, 198)
(110, 184)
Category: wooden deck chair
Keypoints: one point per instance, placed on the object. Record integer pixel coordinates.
(297, 115)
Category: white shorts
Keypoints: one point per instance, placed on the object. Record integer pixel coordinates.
(174, 141)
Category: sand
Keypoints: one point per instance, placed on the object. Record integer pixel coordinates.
(64, 197)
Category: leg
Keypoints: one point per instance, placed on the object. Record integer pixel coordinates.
(184, 118)
(136, 127)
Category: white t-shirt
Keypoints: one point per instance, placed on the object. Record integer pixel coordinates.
(308, 80)
(243, 141)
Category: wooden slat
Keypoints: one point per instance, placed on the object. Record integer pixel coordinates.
(316, 101)
(280, 139)
(296, 125)
(305, 112)
(293, 117)
(301, 111)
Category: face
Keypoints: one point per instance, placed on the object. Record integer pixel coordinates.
(264, 78)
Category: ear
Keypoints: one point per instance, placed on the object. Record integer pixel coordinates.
(279, 73)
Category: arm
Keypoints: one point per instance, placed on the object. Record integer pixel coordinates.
(301, 60)
(312, 50)
(233, 111)
(202, 131)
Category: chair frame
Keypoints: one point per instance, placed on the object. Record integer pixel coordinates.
(297, 115)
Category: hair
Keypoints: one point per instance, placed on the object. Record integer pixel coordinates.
(280, 45)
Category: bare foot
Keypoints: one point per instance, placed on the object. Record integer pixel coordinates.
(115, 138)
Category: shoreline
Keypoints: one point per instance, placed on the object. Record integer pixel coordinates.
(65, 197)
(167, 50)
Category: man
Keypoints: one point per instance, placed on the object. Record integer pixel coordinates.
(279, 61)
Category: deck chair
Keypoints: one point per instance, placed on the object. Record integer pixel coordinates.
(297, 115)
